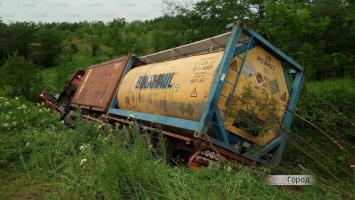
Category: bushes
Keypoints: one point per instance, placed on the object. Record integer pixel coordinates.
(21, 78)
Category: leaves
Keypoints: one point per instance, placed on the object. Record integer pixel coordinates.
(21, 78)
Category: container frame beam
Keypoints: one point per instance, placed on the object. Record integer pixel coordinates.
(211, 114)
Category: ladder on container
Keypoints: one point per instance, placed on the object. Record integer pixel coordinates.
(229, 98)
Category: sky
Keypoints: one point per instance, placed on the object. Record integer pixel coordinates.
(79, 10)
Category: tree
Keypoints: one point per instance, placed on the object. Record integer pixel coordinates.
(289, 26)
(47, 47)
(17, 37)
(21, 78)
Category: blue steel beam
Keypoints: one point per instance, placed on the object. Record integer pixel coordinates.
(296, 92)
(243, 48)
(287, 78)
(171, 121)
(275, 51)
(239, 73)
(218, 81)
(251, 156)
(221, 133)
(270, 146)
(128, 68)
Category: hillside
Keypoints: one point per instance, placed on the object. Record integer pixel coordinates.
(40, 158)
(43, 159)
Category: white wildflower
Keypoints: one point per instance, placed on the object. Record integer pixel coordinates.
(83, 147)
(16, 98)
(8, 117)
(40, 110)
(27, 144)
(83, 161)
(42, 103)
(38, 104)
(131, 115)
(99, 126)
(1, 97)
(10, 112)
(24, 106)
(7, 103)
(14, 123)
(5, 124)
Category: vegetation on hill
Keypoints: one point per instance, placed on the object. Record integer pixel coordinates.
(40, 158)
(317, 34)
(43, 159)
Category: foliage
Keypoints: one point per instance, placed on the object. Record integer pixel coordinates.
(16, 37)
(323, 130)
(317, 34)
(48, 47)
(21, 78)
(289, 25)
(96, 161)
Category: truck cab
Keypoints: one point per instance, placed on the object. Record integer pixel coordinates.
(60, 102)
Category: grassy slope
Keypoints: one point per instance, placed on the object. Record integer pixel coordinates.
(81, 60)
(41, 159)
(49, 166)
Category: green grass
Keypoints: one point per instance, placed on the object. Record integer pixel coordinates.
(42, 159)
(80, 61)
(346, 83)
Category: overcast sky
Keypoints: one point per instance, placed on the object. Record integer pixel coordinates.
(79, 10)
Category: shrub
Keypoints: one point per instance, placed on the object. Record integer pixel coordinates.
(21, 78)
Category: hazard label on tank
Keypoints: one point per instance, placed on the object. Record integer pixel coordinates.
(260, 79)
(193, 93)
(283, 97)
(274, 86)
(249, 70)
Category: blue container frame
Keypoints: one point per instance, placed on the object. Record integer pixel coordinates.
(212, 114)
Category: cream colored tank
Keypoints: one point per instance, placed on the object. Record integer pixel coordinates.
(177, 88)
(180, 88)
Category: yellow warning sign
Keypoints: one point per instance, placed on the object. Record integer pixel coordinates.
(193, 93)
(283, 97)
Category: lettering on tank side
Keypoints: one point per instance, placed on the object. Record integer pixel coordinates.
(156, 81)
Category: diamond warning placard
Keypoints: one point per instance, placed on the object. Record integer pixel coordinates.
(249, 70)
(274, 86)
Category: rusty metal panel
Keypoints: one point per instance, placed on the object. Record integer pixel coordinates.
(99, 84)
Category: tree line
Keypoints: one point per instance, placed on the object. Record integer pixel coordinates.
(319, 34)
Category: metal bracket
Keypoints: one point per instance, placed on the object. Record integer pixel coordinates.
(199, 135)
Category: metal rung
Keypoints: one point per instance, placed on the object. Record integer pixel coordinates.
(222, 111)
(234, 70)
(224, 96)
(216, 124)
(229, 82)
(239, 57)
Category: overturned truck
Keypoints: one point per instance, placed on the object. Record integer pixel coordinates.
(228, 97)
